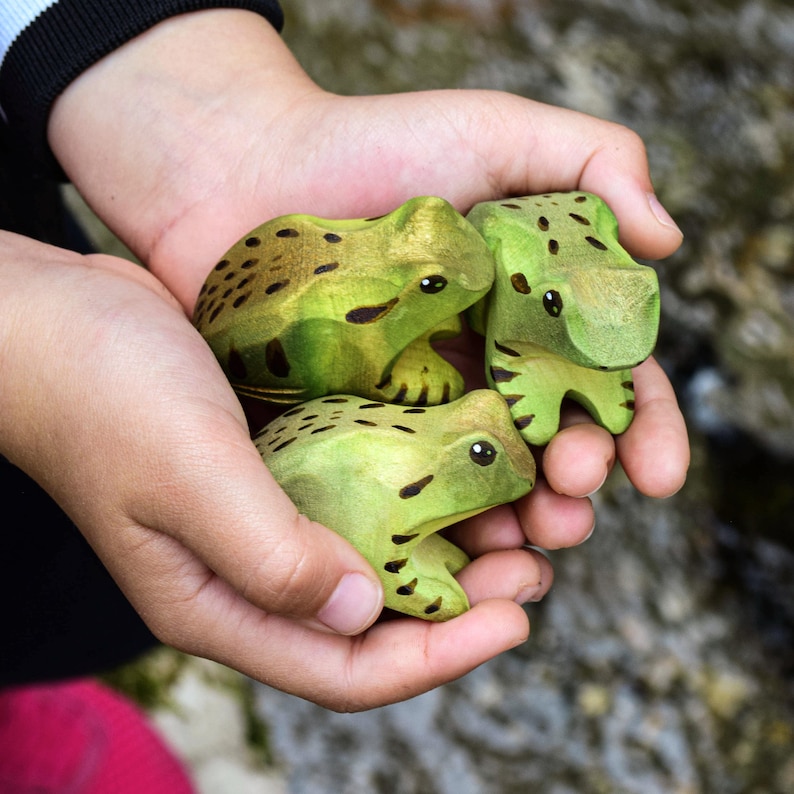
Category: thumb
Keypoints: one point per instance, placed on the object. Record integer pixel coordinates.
(537, 147)
(199, 507)
(224, 516)
(128, 421)
(618, 173)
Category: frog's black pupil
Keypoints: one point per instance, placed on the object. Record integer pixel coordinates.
(552, 303)
(432, 284)
(482, 453)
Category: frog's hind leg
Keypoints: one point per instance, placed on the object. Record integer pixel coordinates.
(420, 581)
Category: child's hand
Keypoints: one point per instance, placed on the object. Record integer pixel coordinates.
(183, 155)
(113, 402)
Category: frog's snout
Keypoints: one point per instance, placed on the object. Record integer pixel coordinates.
(614, 326)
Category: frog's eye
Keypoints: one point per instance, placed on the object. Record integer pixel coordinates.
(430, 285)
(482, 453)
(552, 303)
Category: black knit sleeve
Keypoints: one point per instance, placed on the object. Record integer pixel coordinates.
(63, 41)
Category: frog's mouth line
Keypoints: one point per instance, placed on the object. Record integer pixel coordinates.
(282, 396)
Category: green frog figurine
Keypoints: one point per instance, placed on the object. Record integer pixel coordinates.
(389, 477)
(303, 307)
(570, 312)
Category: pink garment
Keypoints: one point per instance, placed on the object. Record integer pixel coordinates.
(80, 737)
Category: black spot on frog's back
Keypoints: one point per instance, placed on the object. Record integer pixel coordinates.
(326, 268)
(276, 359)
(236, 364)
(276, 286)
(595, 243)
(520, 284)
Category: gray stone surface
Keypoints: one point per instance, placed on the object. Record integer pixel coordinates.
(661, 661)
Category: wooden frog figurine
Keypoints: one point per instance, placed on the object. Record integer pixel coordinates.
(570, 312)
(303, 307)
(388, 478)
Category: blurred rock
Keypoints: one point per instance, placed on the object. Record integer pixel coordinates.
(663, 659)
(644, 673)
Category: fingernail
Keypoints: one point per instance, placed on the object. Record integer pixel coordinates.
(598, 487)
(589, 534)
(662, 215)
(530, 593)
(354, 604)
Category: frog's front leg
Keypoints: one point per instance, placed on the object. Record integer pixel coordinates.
(534, 382)
(420, 376)
(418, 578)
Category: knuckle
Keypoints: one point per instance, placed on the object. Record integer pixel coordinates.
(625, 138)
(293, 578)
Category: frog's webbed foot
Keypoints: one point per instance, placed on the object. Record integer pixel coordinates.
(419, 580)
(534, 382)
(419, 375)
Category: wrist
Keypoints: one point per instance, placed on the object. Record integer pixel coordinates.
(151, 133)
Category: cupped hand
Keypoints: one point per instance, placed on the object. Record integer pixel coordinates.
(189, 154)
(185, 155)
(112, 401)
